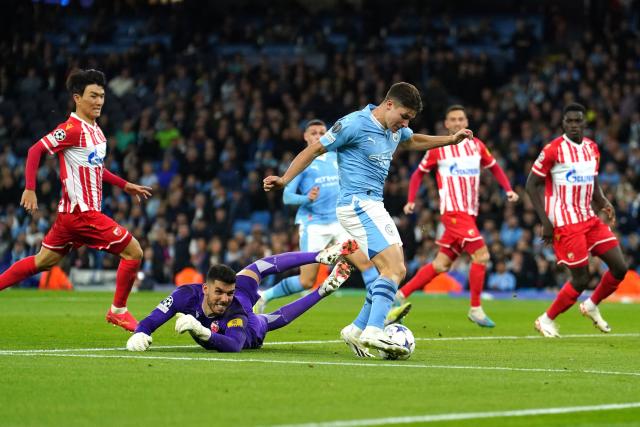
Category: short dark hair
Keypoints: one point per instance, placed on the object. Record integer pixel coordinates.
(78, 80)
(314, 122)
(574, 106)
(221, 272)
(405, 94)
(455, 107)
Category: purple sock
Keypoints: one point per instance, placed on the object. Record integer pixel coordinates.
(281, 262)
(290, 312)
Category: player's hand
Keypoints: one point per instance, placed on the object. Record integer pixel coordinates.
(139, 342)
(137, 190)
(547, 233)
(313, 194)
(512, 196)
(272, 183)
(409, 208)
(188, 323)
(29, 201)
(461, 135)
(611, 214)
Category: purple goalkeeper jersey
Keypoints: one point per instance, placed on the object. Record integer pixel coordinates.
(237, 328)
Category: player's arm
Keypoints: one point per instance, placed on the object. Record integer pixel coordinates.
(419, 141)
(231, 342)
(535, 190)
(29, 199)
(299, 163)
(290, 196)
(414, 186)
(601, 203)
(129, 187)
(503, 181)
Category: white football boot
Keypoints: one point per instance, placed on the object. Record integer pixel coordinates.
(333, 253)
(590, 310)
(336, 278)
(351, 336)
(373, 337)
(546, 326)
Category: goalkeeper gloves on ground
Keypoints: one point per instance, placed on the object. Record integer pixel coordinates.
(139, 342)
(186, 322)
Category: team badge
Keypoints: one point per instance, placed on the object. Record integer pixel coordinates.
(117, 231)
(215, 327)
(337, 127)
(389, 229)
(472, 232)
(570, 255)
(165, 304)
(59, 135)
(395, 136)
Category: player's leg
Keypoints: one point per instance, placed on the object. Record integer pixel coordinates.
(566, 298)
(312, 239)
(390, 264)
(288, 313)
(130, 259)
(608, 284)
(27, 267)
(477, 272)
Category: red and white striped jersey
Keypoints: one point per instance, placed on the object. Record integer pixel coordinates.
(569, 170)
(458, 174)
(81, 150)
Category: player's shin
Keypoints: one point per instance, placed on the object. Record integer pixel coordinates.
(419, 281)
(125, 276)
(19, 271)
(383, 293)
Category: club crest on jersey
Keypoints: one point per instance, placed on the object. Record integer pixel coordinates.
(215, 327)
(472, 232)
(570, 256)
(389, 229)
(59, 135)
(396, 137)
(117, 231)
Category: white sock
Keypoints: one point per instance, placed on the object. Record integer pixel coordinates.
(118, 310)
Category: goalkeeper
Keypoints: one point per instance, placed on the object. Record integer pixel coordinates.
(218, 313)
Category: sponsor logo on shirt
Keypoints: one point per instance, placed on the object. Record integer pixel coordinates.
(455, 170)
(95, 159)
(235, 323)
(573, 177)
(383, 159)
(68, 126)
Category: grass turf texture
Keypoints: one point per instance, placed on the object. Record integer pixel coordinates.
(310, 382)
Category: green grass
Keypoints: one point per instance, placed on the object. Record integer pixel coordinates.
(289, 384)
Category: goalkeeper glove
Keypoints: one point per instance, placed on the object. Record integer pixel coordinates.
(139, 342)
(186, 322)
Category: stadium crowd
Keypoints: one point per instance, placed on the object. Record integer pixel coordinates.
(201, 106)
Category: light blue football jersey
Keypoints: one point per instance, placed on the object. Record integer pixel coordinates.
(322, 173)
(365, 150)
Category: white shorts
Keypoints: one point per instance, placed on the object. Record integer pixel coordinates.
(316, 237)
(369, 223)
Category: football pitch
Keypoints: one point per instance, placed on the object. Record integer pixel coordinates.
(62, 364)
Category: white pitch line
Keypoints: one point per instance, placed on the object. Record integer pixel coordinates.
(311, 342)
(319, 363)
(467, 416)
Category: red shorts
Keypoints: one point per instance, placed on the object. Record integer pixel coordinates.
(572, 243)
(91, 228)
(461, 234)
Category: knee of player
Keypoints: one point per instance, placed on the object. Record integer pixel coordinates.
(134, 250)
(481, 258)
(400, 271)
(619, 270)
(441, 267)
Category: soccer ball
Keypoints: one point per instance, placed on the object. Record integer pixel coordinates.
(403, 336)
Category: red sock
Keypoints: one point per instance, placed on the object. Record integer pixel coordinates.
(608, 285)
(19, 271)
(476, 282)
(565, 299)
(125, 276)
(419, 281)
